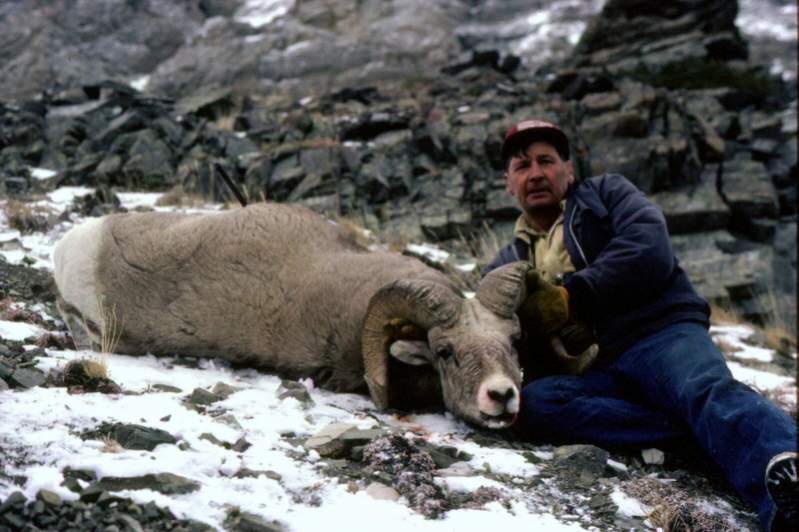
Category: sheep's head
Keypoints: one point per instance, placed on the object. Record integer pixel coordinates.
(468, 342)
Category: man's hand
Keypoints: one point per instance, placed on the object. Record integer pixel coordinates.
(546, 309)
(577, 337)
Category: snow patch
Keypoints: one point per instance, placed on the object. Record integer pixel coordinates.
(131, 200)
(628, 506)
(140, 83)
(733, 336)
(42, 173)
(18, 330)
(62, 197)
(761, 380)
(764, 19)
(259, 13)
(431, 252)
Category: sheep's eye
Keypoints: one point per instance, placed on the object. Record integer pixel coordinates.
(444, 352)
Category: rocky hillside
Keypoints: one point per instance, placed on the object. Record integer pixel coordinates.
(392, 113)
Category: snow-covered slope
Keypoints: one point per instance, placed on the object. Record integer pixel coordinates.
(248, 448)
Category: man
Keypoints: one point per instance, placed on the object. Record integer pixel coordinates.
(659, 377)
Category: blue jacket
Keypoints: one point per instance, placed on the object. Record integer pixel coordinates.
(628, 284)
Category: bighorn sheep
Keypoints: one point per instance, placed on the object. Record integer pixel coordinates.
(278, 287)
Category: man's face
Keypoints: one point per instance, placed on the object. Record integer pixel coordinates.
(538, 178)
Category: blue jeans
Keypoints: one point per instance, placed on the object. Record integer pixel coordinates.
(670, 385)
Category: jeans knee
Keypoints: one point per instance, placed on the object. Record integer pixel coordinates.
(543, 392)
(542, 399)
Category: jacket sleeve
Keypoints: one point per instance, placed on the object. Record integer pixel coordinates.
(637, 263)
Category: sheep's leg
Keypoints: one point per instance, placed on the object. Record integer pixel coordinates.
(77, 326)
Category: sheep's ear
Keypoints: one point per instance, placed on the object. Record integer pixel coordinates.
(413, 352)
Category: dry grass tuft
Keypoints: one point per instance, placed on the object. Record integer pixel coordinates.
(776, 333)
(11, 312)
(397, 242)
(321, 142)
(356, 231)
(778, 339)
(725, 347)
(484, 245)
(110, 330)
(724, 315)
(784, 397)
(27, 218)
(81, 371)
(110, 445)
(780, 330)
(178, 197)
(226, 122)
(673, 509)
(96, 369)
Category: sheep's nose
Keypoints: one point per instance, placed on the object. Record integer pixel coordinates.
(502, 396)
(498, 395)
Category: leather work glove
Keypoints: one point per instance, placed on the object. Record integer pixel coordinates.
(546, 309)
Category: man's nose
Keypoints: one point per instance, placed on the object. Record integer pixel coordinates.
(534, 171)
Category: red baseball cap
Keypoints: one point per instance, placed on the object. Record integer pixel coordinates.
(529, 130)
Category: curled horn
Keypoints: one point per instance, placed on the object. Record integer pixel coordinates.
(418, 303)
(504, 289)
(573, 364)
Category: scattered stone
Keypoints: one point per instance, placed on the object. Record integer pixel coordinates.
(16, 499)
(653, 456)
(381, 492)
(166, 483)
(108, 513)
(479, 498)
(621, 470)
(223, 391)
(586, 462)
(456, 469)
(410, 472)
(247, 522)
(166, 388)
(229, 420)
(130, 436)
(241, 445)
(26, 378)
(202, 397)
(6, 369)
(442, 456)
(48, 497)
(59, 341)
(295, 390)
(249, 473)
(207, 436)
(85, 475)
(328, 443)
(98, 203)
(130, 522)
(359, 437)
(186, 361)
